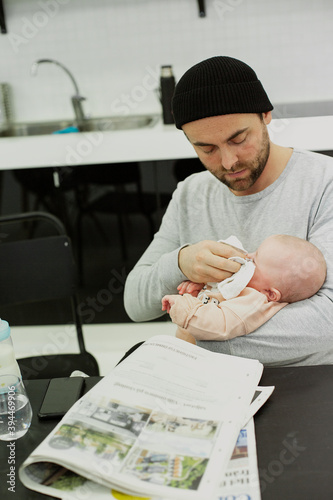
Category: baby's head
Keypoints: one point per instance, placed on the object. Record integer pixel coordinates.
(288, 269)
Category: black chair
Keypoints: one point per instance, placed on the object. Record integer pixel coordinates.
(42, 270)
(51, 188)
(120, 195)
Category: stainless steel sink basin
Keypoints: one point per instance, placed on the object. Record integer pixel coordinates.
(35, 128)
(120, 122)
(103, 124)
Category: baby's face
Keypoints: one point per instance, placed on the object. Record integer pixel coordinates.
(266, 258)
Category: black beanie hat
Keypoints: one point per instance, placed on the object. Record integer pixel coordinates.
(220, 85)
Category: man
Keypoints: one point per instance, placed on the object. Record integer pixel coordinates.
(252, 189)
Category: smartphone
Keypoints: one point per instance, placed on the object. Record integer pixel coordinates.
(60, 395)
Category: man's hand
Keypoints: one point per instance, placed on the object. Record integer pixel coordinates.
(208, 261)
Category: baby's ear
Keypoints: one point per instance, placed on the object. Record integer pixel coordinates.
(272, 294)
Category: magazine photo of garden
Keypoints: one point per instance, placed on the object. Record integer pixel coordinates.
(166, 469)
(82, 438)
(55, 476)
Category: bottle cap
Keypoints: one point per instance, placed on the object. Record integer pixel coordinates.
(166, 71)
(4, 330)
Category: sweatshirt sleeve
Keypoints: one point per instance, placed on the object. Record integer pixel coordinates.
(157, 273)
(226, 320)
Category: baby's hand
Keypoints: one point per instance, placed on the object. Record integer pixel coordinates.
(190, 287)
(167, 302)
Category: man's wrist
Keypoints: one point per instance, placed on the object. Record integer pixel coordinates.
(179, 251)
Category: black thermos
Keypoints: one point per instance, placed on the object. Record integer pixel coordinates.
(167, 83)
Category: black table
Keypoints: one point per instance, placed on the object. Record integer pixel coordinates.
(26, 445)
(293, 433)
(294, 436)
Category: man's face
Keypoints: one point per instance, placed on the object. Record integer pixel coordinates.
(234, 148)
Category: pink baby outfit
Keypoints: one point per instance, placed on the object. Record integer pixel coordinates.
(226, 319)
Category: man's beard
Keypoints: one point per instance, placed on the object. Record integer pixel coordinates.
(256, 168)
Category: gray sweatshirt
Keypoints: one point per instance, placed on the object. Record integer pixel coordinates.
(299, 203)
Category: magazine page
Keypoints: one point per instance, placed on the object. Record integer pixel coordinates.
(241, 479)
(163, 423)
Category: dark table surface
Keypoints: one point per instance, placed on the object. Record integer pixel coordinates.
(293, 434)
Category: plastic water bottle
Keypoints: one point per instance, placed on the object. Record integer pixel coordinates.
(15, 408)
(167, 87)
(8, 363)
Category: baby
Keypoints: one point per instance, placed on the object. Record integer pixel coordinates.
(287, 269)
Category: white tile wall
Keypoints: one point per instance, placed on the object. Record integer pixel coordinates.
(115, 48)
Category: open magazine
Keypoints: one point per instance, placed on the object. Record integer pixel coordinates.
(163, 424)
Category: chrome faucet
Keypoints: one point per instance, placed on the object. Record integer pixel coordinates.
(76, 99)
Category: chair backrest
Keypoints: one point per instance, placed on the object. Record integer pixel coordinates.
(38, 269)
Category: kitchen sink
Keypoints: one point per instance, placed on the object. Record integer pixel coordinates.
(103, 124)
(120, 122)
(35, 128)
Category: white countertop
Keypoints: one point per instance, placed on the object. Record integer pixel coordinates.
(160, 142)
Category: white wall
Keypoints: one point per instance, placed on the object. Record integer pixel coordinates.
(115, 48)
